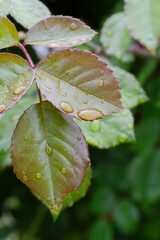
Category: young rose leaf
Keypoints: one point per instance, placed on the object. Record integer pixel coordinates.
(77, 82)
(110, 131)
(115, 37)
(29, 12)
(72, 197)
(52, 167)
(5, 7)
(16, 78)
(142, 18)
(59, 31)
(132, 92)
(8, 34)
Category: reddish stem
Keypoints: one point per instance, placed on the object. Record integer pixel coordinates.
(21, 46)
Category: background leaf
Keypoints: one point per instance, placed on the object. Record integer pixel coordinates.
(16, 78)
(58, 166)
(5, 7)
(114, 28)
(59, 31)
(110, 131)
(76, 82)
(29, 12)
(8, 34)
(132, 92)
(146, 30)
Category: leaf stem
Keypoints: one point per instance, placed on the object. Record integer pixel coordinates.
(21, 46)
(27, 55)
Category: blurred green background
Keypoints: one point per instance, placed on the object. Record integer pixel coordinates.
(123, 201)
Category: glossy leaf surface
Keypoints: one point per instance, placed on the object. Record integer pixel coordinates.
(8, 34)
(78, 83)
(115, 37)
(59, 31)
(15, 79)
(142, 18)
(5, 7)
(29, 12)
(58, 165)
(110, 131)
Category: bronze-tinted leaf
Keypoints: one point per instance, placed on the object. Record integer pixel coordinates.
(59, 31)
(78, 83)
(16, 78)
(55, 167)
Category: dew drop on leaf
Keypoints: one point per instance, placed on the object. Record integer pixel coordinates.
(38, 175)
(64, 171)
(95, 126)
(25, 178)
(65, 106)
(64, 94)
(2, 107)
(78, 138)
(100, 83)
(55, 209)
(102, 101)
(122, 139)
(19, 90)
(85, 101)
(48, 150)
(15, 99)
(73, 26)
(67, 72)
(102, 73)
(90, 114)
(26, 137)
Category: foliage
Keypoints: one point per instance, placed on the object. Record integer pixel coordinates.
(93, 85)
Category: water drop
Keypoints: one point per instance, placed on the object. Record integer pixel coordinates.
(2, 107)
(15, 99)
(55, 209)
(73, 26)
(25, 178)
(26, 137)
(64, 94)
(100, 83)
(66, 150)
(54, 65)
(64, 171)
(78, 138)
(110, 34)
(130, 126)
(65, 106)
(102, 101)
(19, 90)
(85, 101)
(102, 73)
(95, 126)
(67, 52)
(67, 72)
(48, 150)
(122, 139)
(90, 114)
(38, 175)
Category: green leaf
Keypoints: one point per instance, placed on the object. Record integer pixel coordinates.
(110, 131)
(76, 195)
(115, 37)
(8, 34)
(101, 229)
(132, 92)
(59, 31)
(77, 82)
(5, 7)
(126, 216)
(144, 177)
(29, 12)
(16, 78)
(10, 119)
(142, 18)
(55, 167)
